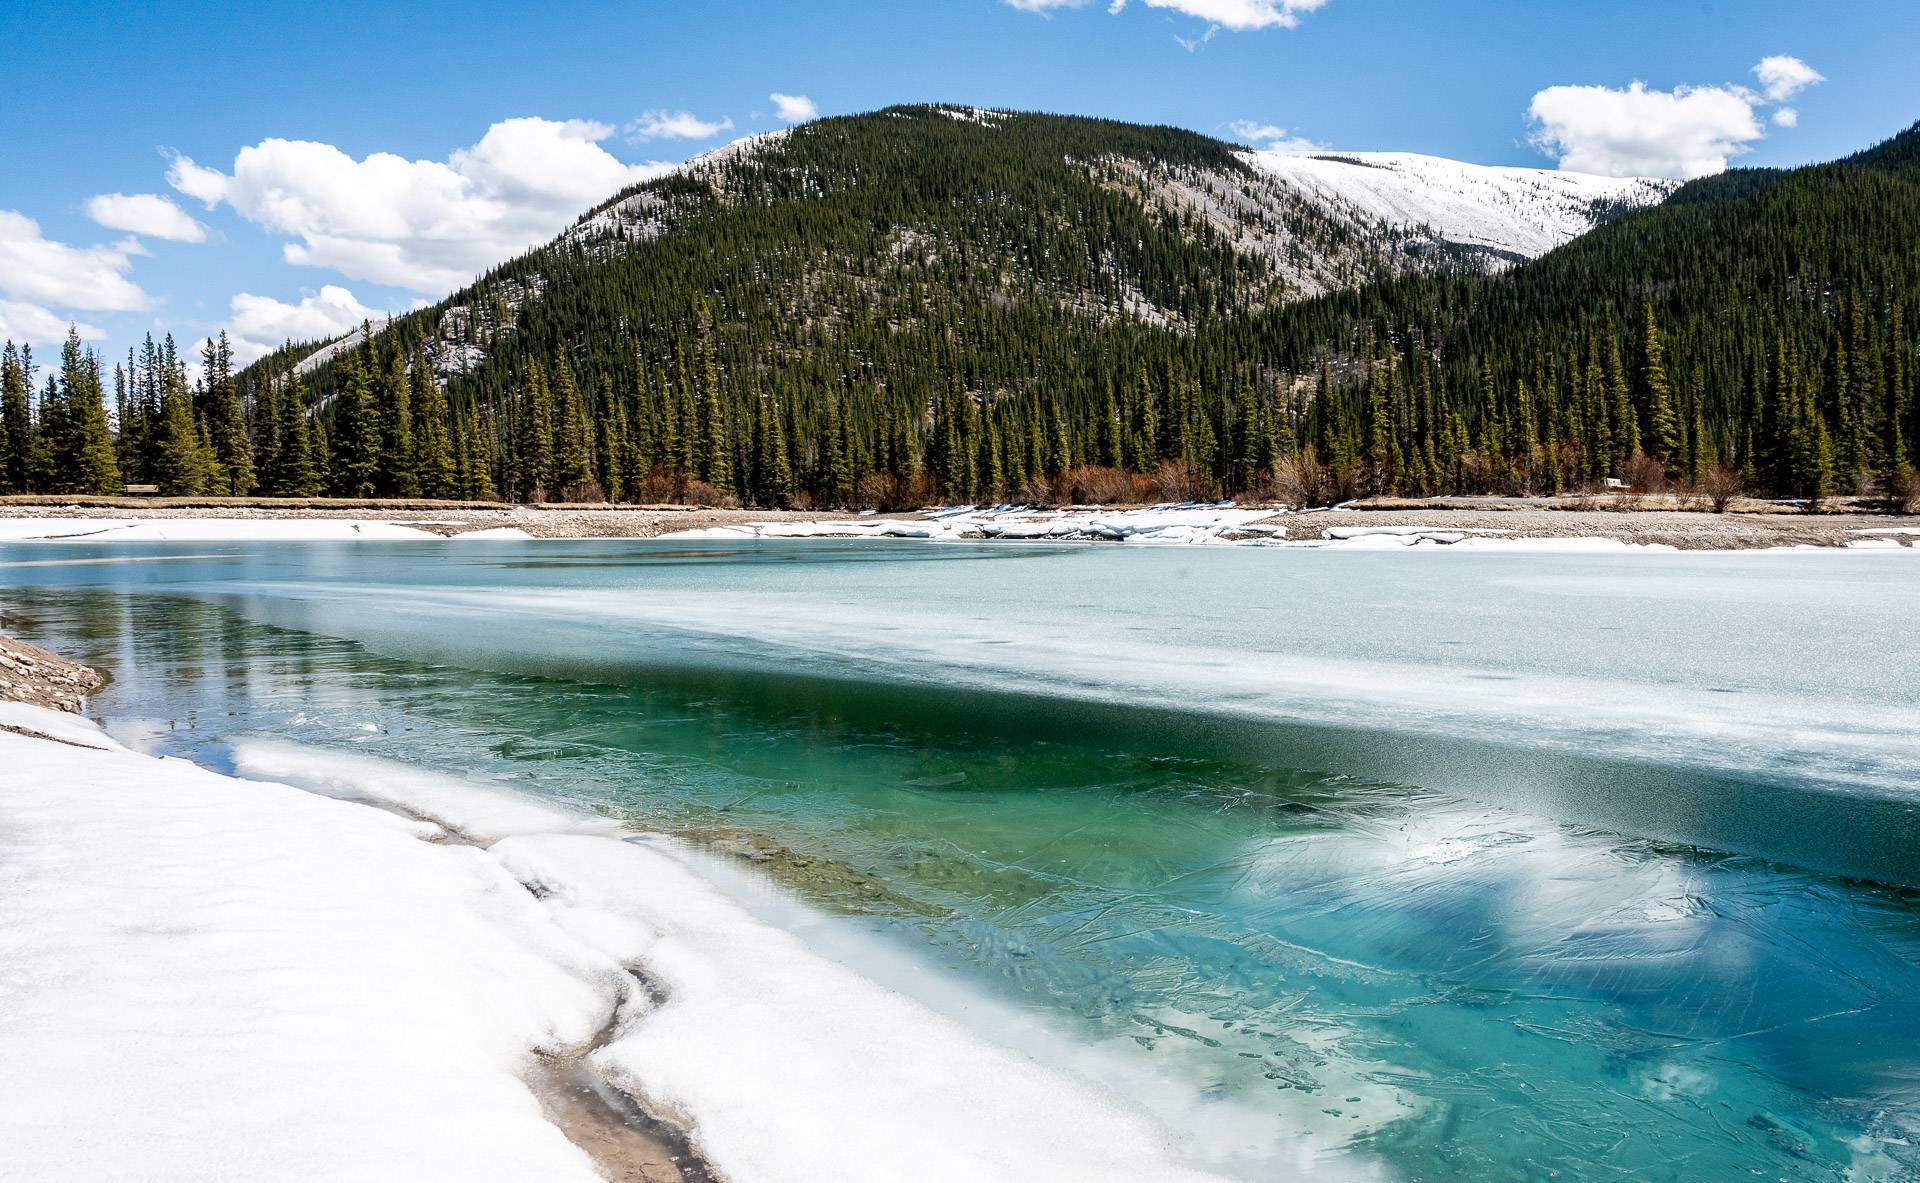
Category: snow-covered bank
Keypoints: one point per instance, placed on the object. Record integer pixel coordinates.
(210, 979)
(1184, 524)
(214, 978)
(190, 529)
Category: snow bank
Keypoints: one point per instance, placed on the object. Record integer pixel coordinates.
(214, 978)
(205, 530)
(1183, 523)
(205, 978)
(787, 1065)
(485, 813)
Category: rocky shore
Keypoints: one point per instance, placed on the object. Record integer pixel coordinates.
(34, 676)
(1756, 526)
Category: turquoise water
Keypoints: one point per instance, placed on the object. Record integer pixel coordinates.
(1428, 867)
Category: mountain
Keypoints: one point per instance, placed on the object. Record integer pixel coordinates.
(1509, 214)
(937, 301)
(1249, 229)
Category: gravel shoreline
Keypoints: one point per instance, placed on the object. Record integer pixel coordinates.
(1683, 530)
(36, 677)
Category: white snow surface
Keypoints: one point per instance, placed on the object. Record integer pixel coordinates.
(1183, 524)
(205, 978)
(205, 530)
(209, 978)
(1520, 211)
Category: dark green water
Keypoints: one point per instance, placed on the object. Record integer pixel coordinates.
(1418, 867)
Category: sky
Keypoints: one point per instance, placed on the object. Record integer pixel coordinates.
(283, 170)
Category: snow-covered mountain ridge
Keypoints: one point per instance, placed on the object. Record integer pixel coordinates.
(1518, 212)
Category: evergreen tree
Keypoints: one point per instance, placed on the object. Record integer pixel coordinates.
(180, 463)
(433, 468)
(226, 420)
(1655, 393)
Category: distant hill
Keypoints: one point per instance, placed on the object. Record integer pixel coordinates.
(936, 301)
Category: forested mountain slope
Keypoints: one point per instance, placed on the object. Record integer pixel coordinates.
(933, 302)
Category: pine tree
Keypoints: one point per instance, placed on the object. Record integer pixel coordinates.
(354, 440)
(433, 468)
(572, 446)
(301, 469)
(1655, 391)
(17, 446)
(394, 474)
(180, 463)
(226, 420)
(79, 454)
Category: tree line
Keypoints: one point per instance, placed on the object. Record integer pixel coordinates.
(903, 308)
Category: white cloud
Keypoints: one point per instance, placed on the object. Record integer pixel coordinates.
(30, 324)
(1044, 6)
(1686, 132)
(148, 214)
(261, 324)
(676, 125)
(38, 270)
(205, 185)
(1274, 139)
(794, 108)
(1783, 77)
(423, 225)
(1238, 15)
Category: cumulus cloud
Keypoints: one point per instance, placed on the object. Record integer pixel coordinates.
(261, 324)
(794, 108)
(1238, 15)
(1274, 139)
(147, 214)
(35, 269)
(423, 225)
(676, 125)
(30, 324)
(1782, 77)
(1686, 132)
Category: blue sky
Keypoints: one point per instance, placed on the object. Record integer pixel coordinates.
(279, 106)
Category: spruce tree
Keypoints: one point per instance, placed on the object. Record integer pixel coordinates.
(1655, 390)
(433, 468)
(180, 465)
(226, 419)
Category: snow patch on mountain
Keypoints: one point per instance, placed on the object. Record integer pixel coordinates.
(1517, 212)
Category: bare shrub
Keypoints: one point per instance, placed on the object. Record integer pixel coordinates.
(1478, 474)
(1720, 485)
(1095, 485)
(707, 497)
(1644, 475)
(1302, 481)
(585, 492)
(1903, 490)
(1037, 490)
(876, 490)
(1174, 480)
